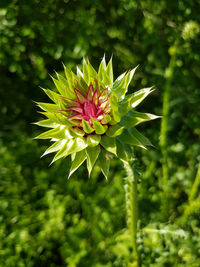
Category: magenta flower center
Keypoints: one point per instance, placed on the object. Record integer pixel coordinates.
(92, 105)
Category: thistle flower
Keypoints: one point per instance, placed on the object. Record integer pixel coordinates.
(92, 118)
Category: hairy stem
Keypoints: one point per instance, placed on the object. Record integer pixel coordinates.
(164, 132)
(132, 212)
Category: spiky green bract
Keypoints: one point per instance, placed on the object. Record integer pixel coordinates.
(91, 117)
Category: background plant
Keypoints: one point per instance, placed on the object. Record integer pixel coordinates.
(33, 43)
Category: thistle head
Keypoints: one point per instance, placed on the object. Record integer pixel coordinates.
(91, 117)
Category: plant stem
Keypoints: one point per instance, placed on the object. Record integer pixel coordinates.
(164, 132)
(132, 212)
(195, 186)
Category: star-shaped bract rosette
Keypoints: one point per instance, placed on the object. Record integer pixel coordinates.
(91, 117)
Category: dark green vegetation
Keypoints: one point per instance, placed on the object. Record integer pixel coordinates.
(46, 220)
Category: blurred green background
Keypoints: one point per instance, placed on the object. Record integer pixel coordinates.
(46, 220)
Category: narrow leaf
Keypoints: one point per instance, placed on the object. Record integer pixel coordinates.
(121, 153)
(109, 71)
(46, 123)
(48, 107)
(133, 100)
(104, 163)
(56, 98)
(92, 155)
(63, 152)
(79, 72)
(55, 147)
(65, 87)
(92, 71)
(120, 87)
(106, 119)
(127, 138)
(98, 127)
(85, 72)
(134, 118)
(78, 145)
(141, 138)
(76, 132)
(80, 157)
(72, 146)
(54, 133)
(102, 69)
(139, 96)
(93, 140)
(114, 130)
(86, 127)
(109, 144)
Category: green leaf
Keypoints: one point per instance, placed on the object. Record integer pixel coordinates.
(92, 155)
(114, 101)
(79, 72)
(85, 72)
(55, 147)
(93, 140)
(102, 69)
(106, 80)
(79, 144)
(116, 116)
(59, 86)
(109, 71)
(98, 127)
(106, 119)
(121, 153)
(104, 163)
(118, 80)
(120, 87)
(92, 71)
(114, 106)
(133, 100)
(109, 144)
(129, 76)
(76, 132)
(114, 130)
(139, 96)
(72, 146)
(86, 127)
(54, 133)
(80, 157)
(73, 155)
(127, 138)
(65, 87)
(46, 123)
(71, 77)
(83, 84)
(68, 133)
(141, 138)
(63, 152)
(134, 118)
(48, 107)
(58, 118)
(56, 98)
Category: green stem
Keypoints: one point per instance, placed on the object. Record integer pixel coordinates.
(132, 212)
(164, 132)
(195, 186)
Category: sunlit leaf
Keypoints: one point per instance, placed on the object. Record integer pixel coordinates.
(78, 160)
(92, 155)
(109, 144)
(104, 162)
(93, 140)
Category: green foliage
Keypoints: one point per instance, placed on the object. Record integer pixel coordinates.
(47, 220)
